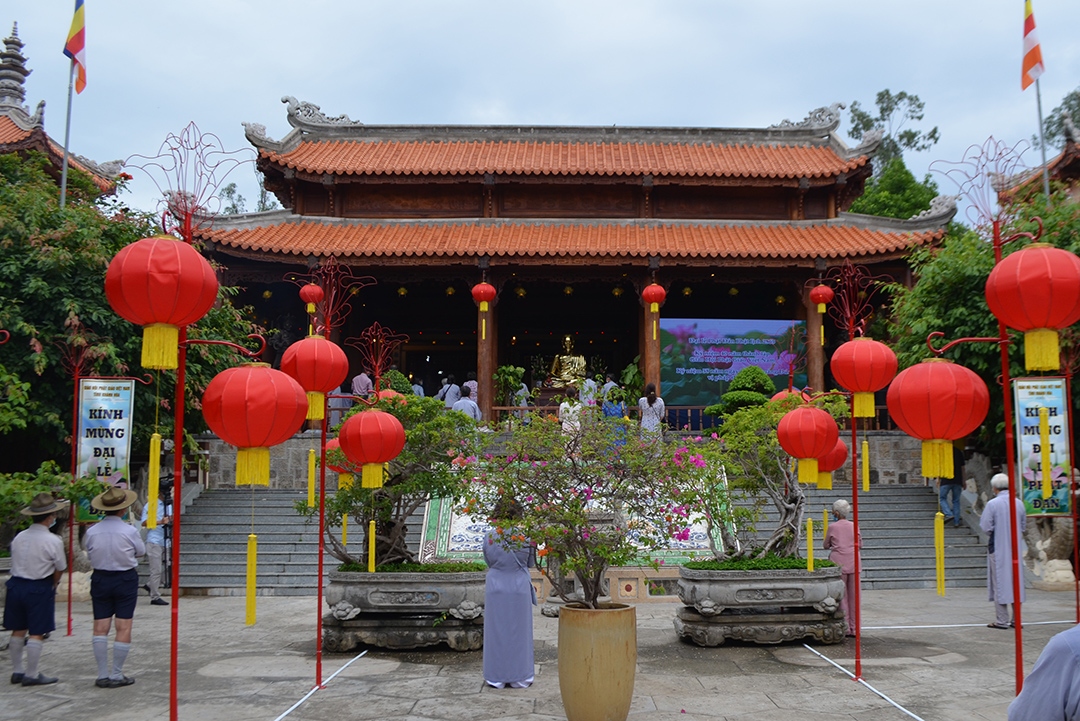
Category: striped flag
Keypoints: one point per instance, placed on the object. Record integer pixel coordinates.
(1033, 63)
(75, 47)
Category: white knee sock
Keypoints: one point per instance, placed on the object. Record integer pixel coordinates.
(119, 655)
(16, 646)
(33, 656)
(101, 655)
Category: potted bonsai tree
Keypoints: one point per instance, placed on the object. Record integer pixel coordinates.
(756, 586)
(592, 496)
(404, 604)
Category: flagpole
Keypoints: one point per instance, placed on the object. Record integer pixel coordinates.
(1042, 144)
(67, 136)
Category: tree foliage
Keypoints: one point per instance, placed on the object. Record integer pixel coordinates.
(52, 300)
(893, 113)
(750, 387)
(895, 193)
(1054, 124)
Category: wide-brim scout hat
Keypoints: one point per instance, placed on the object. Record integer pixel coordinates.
(44, 504)
(114, 499)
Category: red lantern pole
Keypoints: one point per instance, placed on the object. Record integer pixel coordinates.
(178, 485)
(74, 470)
(855, 522)
(322, 530)
(1010, 458)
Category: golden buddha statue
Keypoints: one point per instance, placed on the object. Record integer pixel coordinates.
(567, 369)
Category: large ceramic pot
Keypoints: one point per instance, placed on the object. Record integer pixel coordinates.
(760, 606)
(405, 610)
(597, 660)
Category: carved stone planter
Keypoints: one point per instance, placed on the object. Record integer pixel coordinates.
(404, 610)
(760, 606)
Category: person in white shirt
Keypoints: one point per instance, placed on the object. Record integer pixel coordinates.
(37, 563)
(570, 412)
(467, 405)
(113, 547)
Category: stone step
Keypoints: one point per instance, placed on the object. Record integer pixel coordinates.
(931, 583)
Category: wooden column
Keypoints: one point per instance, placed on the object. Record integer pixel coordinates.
(651, 344)
(486, 360)
(815, 352)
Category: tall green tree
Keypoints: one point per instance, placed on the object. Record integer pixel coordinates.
(895, 193)
(893, 115)
(52, 272)
(1054, 123)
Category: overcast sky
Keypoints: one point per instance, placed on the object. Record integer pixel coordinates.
(155, 66)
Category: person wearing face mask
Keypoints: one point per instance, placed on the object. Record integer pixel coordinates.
(37, 563)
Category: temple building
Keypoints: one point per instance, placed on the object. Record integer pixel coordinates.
(22, 132)
(569, 224)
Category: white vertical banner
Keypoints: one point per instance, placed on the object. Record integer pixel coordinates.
(104, 437)
(1031, 394)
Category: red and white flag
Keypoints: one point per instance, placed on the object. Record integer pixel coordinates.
(1033, 62)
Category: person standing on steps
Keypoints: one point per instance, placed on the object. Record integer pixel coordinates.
(113, 547)
(952, 487)
(37, 564)
(155, 550)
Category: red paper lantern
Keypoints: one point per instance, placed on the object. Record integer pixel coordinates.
(370, 439)
(311, 294)
(832, 461)
(801, 395)
(1037, 290)
(345, 473)
(160, 283)
(483, 293)
(938, 401)
(821, 294)
(863, 366)
(254, 407)
(654, 295)
(807, 433)
(319, 366)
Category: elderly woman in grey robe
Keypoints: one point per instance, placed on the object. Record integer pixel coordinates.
(508, 600)
(840, 543)
(995, 522)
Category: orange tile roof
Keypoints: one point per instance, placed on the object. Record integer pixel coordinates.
(539, 240)
(557, 158)
(10, 132)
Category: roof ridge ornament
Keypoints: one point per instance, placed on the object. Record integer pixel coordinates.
(1072, 135)
(871, 141)
(825, 119)
(942, 205)
(309, 116)
(13, 72)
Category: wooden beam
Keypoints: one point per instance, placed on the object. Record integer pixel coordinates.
(486, 359)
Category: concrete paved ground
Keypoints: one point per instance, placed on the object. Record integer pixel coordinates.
(235, 672)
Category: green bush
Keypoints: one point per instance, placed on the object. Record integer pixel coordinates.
(396, 380)
(750, 387)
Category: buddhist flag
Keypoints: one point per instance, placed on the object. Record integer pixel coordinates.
(1033, 63)
(75, 47)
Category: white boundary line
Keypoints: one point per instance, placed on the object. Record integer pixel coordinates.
(864, 683)
(312, 691)
(966, 625)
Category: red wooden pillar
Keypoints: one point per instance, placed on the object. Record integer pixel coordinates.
(815, 352)
(486, 360)
(651, 345)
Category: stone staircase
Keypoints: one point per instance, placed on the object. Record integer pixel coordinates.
(897, 525)
(213, 544)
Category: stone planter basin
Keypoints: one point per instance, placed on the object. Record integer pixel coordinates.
(710, 593)
(461, 595)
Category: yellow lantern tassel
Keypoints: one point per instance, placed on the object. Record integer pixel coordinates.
(310, 307)
(252, 552)
(937, 458)
(253, 466)
(159, 346)
(866, 466)
(155, 478)
(315, 406)
(654, 307)
(824, 481)
(939, 551)
(344, 529)
(822, 335)
(1044, 447)
(864, 405)
(371, 475)
(483, 306)
(1041, 351)
(483, 329)
(825, 523)
(808, 472)
(371, 546)
(311, 478)
(345, 480)
(821, 308)
(809, 544)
